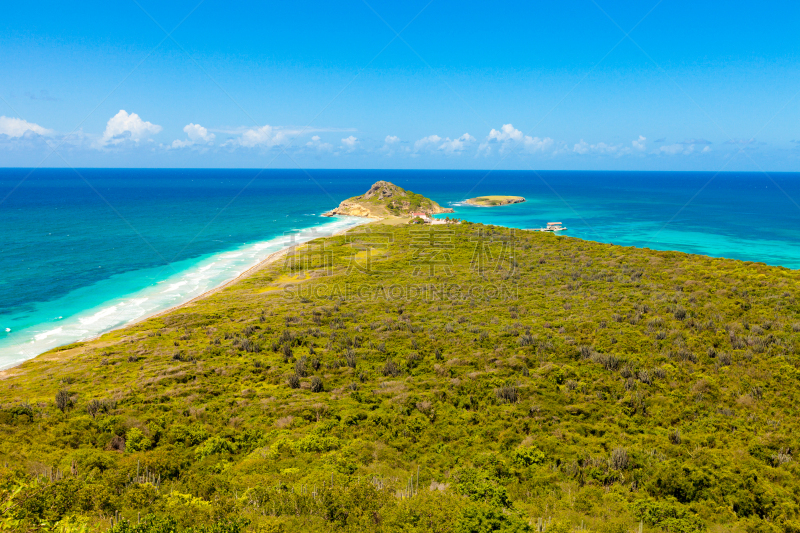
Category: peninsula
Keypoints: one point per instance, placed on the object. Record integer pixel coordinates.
(493, 201)
(396, 379)
(386, 200)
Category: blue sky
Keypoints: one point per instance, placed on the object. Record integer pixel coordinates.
(597, 84)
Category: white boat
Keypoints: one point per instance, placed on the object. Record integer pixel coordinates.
(552, 226)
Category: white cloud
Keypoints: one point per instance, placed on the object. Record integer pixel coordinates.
(317, 144)
(124, 126)
(535, 144)
(443, 144)
(350, 143)
(455, 146)
(197, 135)
(509, 134)
(506, 133)
(600, 148)
(684, 148)
(267, 135)
(427, 142)
(392, 144)
(16, 127)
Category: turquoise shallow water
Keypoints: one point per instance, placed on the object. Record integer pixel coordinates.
(84, 252)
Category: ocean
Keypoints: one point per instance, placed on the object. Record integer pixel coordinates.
(90, 250)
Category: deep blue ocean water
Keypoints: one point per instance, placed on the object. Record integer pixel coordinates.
(82, 252)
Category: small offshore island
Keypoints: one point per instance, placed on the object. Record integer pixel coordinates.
(494, 200)
(450, 380)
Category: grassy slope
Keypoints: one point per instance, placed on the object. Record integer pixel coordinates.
(622, 384)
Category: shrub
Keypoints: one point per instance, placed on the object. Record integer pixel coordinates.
(526, 340)
(316, 384)
(390, 368)
(214, 445)
(350, 357)
(507, 394)
(136, 441)
(485, 520)
(479, 486)
(316, 443)
(294, 381)
(413, 360)
(286, 349)
(527, 456)
(668, 515)
(93, 407)
(63, 400)
(619, 459)
(300, 367)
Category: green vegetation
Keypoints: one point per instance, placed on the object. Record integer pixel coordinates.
(492, 201)
(545, 384)
(385, 199)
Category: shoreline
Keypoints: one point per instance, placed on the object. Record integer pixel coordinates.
(270, 259)
(56, 352)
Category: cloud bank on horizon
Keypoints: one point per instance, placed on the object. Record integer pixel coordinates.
(129, 132)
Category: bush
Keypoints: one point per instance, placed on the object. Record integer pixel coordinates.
(527, 456)
(619, 459)
(63, 400)
(300, 367)
(483, 520)
(507, 394)
(214, 445)
(350, 358)
(136, 441)
(316, 384)
(391, 369)
(668, 515)
(286, 349)
(294, 381)
(95, 407)
(479, 486)
(168, 524)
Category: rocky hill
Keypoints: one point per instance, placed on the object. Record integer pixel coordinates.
(385, 199)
